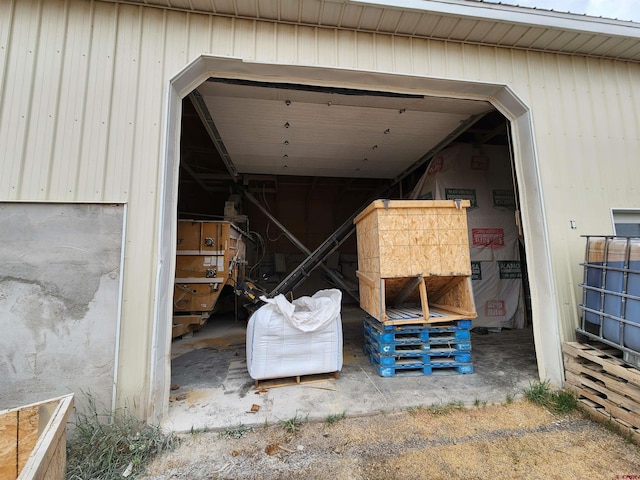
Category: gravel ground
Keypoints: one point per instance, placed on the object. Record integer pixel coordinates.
(516, 440)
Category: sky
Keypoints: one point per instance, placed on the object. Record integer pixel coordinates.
(620, 9)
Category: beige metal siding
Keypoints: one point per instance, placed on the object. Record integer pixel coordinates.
(83, 93)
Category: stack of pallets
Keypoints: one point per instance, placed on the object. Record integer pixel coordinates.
(415, 285)
(422, 349)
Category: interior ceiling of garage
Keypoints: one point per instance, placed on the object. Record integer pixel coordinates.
(294, 130)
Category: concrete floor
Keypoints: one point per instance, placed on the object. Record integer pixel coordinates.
(211, 387)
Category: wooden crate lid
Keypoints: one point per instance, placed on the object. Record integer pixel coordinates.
(395, 204)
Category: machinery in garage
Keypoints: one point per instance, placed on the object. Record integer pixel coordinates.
(210, 256)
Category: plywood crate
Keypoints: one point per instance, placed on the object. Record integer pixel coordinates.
(33, 440)
(414, 262)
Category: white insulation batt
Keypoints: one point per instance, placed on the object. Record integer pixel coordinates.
(484, 177)
(303, 337)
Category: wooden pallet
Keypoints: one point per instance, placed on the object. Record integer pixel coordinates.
(606, 387)
(294, 380)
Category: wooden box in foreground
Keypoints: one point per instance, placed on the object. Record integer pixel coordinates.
(414, 262)
(33, 440)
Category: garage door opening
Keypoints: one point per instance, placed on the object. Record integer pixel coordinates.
(287, 166)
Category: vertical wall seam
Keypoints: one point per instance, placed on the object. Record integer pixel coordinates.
(85, 98)
(3, 83)
(132, 178)
(56, 123)
(28, 113)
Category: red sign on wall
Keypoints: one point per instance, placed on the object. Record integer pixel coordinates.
(495, 308)
(479, 162)
(487, 237)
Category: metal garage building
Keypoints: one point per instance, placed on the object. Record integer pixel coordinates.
(91, 102)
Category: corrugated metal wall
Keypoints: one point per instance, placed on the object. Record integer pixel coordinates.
(82, 103)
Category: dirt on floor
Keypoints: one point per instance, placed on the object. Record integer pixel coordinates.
(513, 440)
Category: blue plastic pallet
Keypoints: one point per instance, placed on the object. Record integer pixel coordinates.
(411, 349)
(420, 326)
(417, 360)
(404, 334)
(432, 369)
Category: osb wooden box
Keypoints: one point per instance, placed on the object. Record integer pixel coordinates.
(413, 261)
(33, 440)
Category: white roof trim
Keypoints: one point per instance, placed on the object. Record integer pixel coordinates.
(512, 14)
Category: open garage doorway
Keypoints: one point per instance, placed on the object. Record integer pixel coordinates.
(332, 168)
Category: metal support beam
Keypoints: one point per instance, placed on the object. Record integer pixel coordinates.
(207, 122)
(194, 175)
(302, 247)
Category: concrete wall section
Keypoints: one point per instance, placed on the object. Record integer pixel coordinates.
(60, 270)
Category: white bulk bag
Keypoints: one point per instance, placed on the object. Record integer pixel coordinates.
(303, 337)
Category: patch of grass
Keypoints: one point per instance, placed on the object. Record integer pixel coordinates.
(236, 432)
(113, 446)
(331, 419)
(509, 399)
(415, 410)
(444, 409)
(558, 401)
(538, 393)
(197, 431)
(564, 401)
(293, 424)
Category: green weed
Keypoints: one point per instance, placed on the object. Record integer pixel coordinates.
(293, 424)
(113, 446)
(331, 419)
(444, 409)
(558, 401)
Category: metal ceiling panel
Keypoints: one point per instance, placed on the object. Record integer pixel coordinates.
(311, 12)
(325, 133)
(463, 29)
(330, 13)
(444, 27)
(180, 3)
(512, 35)
(371, 18)
(529, 36)
(409, 21)
(547, 38)
(246, 8)
(619, 48)
(489, 33)
(201, 5)
(270, 9)
(351, 16)
(389, 20)
(226, 7)
(561, 41)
